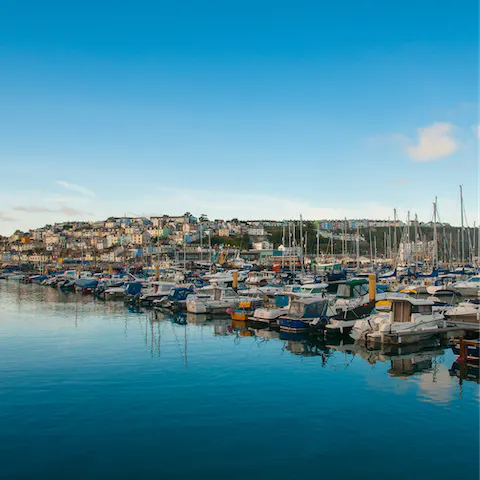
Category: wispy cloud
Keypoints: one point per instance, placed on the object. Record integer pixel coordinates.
(32, 209)
(73, 211)
(434, 142)
(4, 217)
(36, 209)
(402, 181)
(76, 188)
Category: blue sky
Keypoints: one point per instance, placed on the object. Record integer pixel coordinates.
(249, 109)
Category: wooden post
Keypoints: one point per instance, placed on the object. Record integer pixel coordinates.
(235, 280)
(463, 350)
(372, 287)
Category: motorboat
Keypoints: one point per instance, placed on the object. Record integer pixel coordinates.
(468, 288)
(152, 291)
(225, 278)
(175, 300)
(467, 311)
(442, 286)
(213, 299)
(86, 285)
(407, 315)
(260, 278)
(304, 314)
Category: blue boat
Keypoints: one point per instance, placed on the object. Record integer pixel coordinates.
(175, 300)
(86, 285)
(305, 314)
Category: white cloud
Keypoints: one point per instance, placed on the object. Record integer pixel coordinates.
(76, 188)
(435, 141)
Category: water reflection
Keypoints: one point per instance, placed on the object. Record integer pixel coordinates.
(426, 360)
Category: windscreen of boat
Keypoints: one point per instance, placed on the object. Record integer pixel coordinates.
(343, 291)
(309, 310)
(423, 309)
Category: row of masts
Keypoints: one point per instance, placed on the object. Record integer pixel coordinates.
(441, 248)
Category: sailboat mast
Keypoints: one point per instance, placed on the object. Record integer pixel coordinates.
(184, 244)
(395, 237)
(435, 246)
(463, 228)
(415, 254)
(358, 248)
(201, 242)
(301, 244)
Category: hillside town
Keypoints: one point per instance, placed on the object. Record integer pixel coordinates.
(173, 239)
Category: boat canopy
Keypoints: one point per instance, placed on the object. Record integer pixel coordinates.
(354, 288)
(308, 308)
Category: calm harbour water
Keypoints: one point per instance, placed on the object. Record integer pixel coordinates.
(89, 389)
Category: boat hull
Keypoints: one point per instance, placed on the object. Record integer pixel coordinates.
(293, 324)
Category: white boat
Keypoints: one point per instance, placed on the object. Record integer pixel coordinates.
(152, 291)
(114, 293)
(418, 286)
(259, 278)
(467, 311)
(468, 288)
(311, 290)
(442, 286)
(225, 278)
(213, 300)
(268, 315)
(407, 315)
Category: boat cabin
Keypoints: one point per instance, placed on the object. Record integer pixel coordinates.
(307, 308)
(355, 288)
(404, 307)
(313, 288)
(217, 293)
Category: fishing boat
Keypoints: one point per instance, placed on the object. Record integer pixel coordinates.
(408, 315)
(304, 314)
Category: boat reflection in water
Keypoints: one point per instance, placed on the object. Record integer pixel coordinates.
(464, 371)
(404, 361)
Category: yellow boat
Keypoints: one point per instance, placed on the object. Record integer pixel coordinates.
(244, 310)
